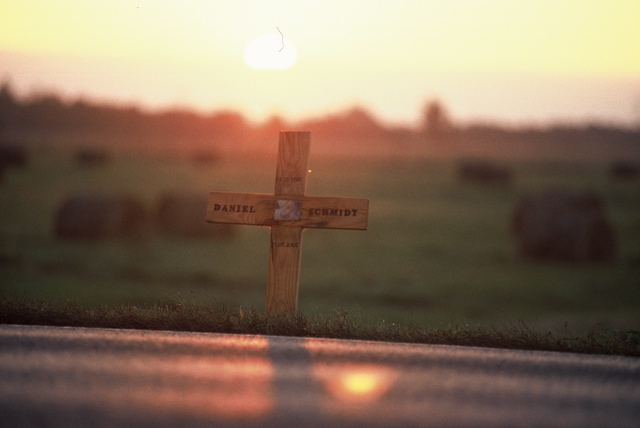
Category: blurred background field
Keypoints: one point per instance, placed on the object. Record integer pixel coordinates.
(153, 101)
(439, 250)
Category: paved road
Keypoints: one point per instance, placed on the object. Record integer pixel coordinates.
(93, 377)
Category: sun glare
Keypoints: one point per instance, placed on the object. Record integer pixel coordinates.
(356, 383)
(270, 51)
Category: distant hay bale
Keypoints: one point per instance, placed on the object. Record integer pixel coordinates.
(91, 157)
(564, 225)
(205, 158)
(13, 155)
(484, 172)
(624, 170)
(102, 217)
(183, 215)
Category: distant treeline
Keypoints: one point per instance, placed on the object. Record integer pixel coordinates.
(47, 118)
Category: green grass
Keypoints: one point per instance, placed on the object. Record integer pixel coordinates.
(195, 318)
(437, 254)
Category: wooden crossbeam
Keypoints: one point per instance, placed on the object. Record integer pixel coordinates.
(287, 212)
(273, 210)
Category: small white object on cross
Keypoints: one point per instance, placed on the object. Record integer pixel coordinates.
(288, 211)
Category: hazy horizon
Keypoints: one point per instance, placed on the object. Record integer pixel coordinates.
(496, 61)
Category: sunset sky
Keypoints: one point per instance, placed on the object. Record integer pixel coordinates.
(499, 60)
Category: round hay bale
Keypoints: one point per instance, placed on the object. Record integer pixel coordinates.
(564, 225)
(183, 215)
(91, 157)
(13, 155)
(102, 217)
(624, 170)
(205, 158)
(484, 172)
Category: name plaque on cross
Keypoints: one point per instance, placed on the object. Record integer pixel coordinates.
(287, 212)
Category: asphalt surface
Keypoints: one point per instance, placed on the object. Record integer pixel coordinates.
(75, 377)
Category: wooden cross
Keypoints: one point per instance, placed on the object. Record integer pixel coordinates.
(287, 212)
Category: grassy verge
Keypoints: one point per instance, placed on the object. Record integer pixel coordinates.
(195, 318)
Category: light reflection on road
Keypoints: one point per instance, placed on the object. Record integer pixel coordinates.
(76, 377)
(355, 383)
(240, 388)
(224, 386)
(220, 377)
(206, 377)
(350, 389)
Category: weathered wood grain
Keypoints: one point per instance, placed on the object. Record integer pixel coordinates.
(284, 269)
(258, 209)
(288, 212)
(291, 170)
(286, 241)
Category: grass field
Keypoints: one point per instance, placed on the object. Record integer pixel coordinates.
(438, 251)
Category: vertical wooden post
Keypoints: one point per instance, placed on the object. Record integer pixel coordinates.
(288, 212)
(286, 241)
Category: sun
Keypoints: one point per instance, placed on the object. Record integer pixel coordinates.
(270, 51)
